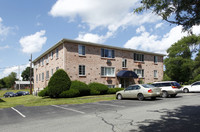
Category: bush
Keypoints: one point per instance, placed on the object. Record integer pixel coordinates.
(81, 87)
(69, 93)
(97, 88)
(114, 90)
(43, 92)
(58, 83)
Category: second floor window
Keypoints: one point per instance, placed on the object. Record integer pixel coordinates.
(43, 76)
(47, 75)
(108, 53)
(51, 54)
(107, 71)
(124, 63)
(81, 49)
(81, 70)
(138, 57)
(155, 59)
(57, 51)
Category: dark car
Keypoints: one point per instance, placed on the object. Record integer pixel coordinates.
(9, 94)
(20, 93)
(26, 92)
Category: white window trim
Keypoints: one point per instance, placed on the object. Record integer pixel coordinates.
(124, 60)
(139, 76)
(81, 69)
(82, 51)
(108, 75)
(155, 74)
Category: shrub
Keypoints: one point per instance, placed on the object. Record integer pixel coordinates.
(69, 93)
(114, 90)
(97, 88)
(58, 83)
(81, 87)
(43, 92)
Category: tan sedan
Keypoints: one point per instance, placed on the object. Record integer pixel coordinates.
(140, 91)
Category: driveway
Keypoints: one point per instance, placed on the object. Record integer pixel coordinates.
(168, 114)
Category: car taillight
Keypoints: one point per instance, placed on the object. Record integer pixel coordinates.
(174, 87)
(150, 91)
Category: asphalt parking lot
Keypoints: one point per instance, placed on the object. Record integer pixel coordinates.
(19, 115)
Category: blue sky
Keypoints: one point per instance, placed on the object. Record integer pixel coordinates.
(33, 26)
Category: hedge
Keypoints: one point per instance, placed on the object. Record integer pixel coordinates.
(43, 92)
(70, 93)
(114, 90)
(58, 83)
(81, 87)
(97, 88)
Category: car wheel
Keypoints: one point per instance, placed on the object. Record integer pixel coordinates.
(153, 98)
(119, 97)
(186, 90)
(164, 94)
(173, 95)
(140, 97)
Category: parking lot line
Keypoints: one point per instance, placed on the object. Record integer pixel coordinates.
(109, 105)
(68, 109)
(18, 112)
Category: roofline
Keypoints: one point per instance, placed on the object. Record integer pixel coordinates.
(94, 44)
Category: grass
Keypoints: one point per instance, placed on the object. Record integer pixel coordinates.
(30, 100)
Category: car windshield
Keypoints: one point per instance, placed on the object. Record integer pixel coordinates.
(148, 86)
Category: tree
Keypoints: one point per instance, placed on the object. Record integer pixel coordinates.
(26, 74)
(178, 64)
(10, 79)
(180, 12)
(2, 83)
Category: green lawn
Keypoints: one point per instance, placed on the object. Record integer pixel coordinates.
(30, 100)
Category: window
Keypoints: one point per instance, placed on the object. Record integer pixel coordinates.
(39, 63)
(81, 50)
(107, 71)
(51, 54)
(139, 72)
(51, 72)
(138, 57)
(108, 53)
(155, 74)
(81, 70)
(47, 59)
(57, 68)
(47, 75)
(124, 63)
(155, 59)
(43, 76)
(39, 77)
(42, 61)
(111, 86)
(36, 78)
(57, 53)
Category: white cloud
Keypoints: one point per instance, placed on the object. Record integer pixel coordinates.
(152, 43)
(4, 30)
(4, 47)
(158, 25)
(109, 14)
(34, 42)
(140, 29)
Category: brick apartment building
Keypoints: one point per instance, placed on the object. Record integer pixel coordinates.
(91, 62)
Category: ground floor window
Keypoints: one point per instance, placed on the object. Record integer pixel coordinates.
(139, 72)
(111, 86)
(155, 74)
(47, 75)
(81, 70)
(107, 71)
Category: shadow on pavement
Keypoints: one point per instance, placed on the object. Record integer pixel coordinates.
(183, 119)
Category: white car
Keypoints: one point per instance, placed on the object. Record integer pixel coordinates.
(140, 91)
(195, 87)
(171, 88)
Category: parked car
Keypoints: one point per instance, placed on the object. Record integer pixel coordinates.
(20, 93)
(168, 88)
(9, 94)
(195, 87)
(140, 91)
(26, 92)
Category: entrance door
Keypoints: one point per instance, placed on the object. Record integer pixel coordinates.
(125, 82)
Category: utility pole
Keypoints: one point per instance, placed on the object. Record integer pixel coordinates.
(30, 74)
(19, 76)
